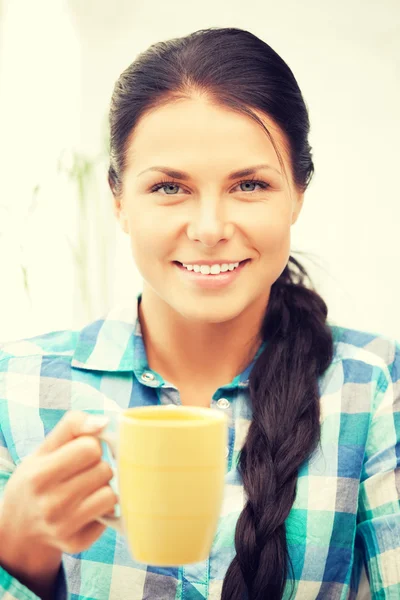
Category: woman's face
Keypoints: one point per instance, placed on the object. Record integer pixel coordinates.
(204, 213)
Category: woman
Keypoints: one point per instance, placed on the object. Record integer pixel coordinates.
(209, 165)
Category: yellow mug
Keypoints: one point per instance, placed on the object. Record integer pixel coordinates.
(171, 465)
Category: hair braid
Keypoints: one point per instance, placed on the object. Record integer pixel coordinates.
(284, 431)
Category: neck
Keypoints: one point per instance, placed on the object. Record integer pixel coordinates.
(188, 352)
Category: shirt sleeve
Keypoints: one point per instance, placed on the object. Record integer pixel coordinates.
(378, 528)
(10, 587)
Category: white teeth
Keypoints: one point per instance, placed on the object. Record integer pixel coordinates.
(211, 270)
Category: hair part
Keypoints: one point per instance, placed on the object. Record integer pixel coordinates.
(235, 69)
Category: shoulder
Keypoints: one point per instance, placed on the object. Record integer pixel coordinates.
(365, 352)
(54, 344)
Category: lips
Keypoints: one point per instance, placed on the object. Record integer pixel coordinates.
(210, 281)
(211, 263)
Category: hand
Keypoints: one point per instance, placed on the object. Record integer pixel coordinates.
(53, 498)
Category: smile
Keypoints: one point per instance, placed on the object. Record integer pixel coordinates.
(215, 269)
(211, 276)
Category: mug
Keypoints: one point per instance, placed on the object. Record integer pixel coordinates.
(170, 468)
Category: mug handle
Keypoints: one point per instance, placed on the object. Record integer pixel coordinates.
(111, 440)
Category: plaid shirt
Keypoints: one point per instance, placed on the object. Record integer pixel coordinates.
(346, 511)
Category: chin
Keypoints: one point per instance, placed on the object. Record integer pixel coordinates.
(205, 311)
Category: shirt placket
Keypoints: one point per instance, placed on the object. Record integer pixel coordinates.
(196, 577)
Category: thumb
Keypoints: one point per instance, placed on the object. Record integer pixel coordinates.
(71, 426)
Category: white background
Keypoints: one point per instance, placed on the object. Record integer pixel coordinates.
(59, 61)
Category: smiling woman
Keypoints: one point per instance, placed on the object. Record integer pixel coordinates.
(207, 212)
(227, 319)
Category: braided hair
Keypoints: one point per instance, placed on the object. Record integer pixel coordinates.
(284, 431)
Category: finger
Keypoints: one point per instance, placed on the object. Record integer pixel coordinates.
(97, 505)
(71, 459)
(83, 539)
(71, 426)
(71, 493)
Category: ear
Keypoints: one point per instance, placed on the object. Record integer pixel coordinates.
(297, 206)
(120, 214)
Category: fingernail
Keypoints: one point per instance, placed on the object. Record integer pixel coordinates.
(94, 423)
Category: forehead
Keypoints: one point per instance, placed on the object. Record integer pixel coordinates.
(193, 131)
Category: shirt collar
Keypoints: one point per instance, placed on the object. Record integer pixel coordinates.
(115, 344)
(108, 344)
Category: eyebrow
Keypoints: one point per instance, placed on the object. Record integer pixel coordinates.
(185, 176)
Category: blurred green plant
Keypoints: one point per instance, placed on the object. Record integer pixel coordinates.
(23, 224)
(23, 265)
(80, 170)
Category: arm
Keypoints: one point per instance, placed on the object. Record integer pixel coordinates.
(378, 529)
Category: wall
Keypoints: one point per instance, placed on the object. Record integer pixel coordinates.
(58, 74)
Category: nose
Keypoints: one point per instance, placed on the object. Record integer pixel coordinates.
(209, 224)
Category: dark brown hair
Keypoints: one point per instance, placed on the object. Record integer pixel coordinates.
(236, 69)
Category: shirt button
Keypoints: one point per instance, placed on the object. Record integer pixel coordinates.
(147, 377)
(223, 403)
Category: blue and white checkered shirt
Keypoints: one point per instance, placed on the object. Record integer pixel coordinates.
(346, 512)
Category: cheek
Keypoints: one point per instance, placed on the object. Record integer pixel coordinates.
(277, 241)
(150, 237)
(275, 252)
(273, 233)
